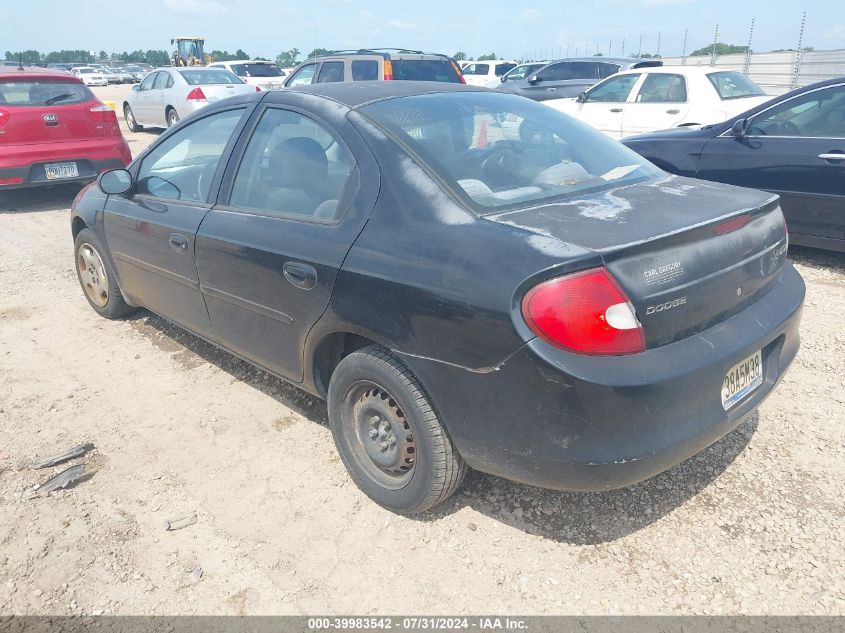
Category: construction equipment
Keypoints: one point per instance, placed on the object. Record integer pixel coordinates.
(190, 52)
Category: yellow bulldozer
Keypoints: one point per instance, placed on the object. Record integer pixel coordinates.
(190, 52)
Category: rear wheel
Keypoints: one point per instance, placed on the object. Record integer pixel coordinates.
(172, 117)
(131, 123)
(97, 278)
(388, 434)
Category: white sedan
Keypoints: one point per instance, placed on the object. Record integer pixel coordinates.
(167, 95)
(266, 75)
(91, 76)
(659, 98)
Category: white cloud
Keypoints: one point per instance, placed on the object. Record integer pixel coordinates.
(662, 3)
(195, 7)
(399, 24)
(530, 14)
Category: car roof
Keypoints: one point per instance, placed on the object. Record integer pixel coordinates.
(33, 72)
(679, 70)
(353, 94)
(242, 61)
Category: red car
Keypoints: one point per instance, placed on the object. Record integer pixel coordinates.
(54, 130)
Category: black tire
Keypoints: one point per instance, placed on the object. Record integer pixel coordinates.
(97, 278)
(370, 384)
(172, 117)
(131, 122)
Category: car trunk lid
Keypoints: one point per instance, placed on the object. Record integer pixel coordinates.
(687, 253)
(218, 92)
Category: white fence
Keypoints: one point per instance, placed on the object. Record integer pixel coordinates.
(776, 72)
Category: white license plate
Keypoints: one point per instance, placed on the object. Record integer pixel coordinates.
(57, 171)
(742, 379)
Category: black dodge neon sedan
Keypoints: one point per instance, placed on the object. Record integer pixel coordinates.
(469, 278)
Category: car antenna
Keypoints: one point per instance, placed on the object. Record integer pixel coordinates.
(20, 61)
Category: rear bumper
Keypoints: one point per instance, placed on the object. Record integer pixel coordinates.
(569, 422)
(23, 165)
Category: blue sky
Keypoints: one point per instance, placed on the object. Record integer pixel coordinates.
(537, 28)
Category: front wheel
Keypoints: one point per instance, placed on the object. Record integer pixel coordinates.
(388, 434)
(97, 278)
(131, 123)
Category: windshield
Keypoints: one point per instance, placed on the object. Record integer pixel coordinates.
(206, 76)
(496, 150)
(257, 70)
(733, 85)
(41, 92)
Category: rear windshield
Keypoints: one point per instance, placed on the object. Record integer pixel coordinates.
(43, 92)
(425, 70)
(497, 150)
(256, 70)
(733, 85)
(206, 76)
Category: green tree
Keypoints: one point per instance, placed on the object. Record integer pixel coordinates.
(721, 49)
(241, 54)
(459, 56)
(489, 57)
(318, 52)
(68, 57)
(287, 59)
(28, 58)
(155, 58)
(103, 55)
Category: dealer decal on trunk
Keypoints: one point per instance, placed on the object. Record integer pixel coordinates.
(663, 274)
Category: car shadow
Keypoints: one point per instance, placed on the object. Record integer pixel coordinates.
(36, 199)
(818, 258)
(568, 517)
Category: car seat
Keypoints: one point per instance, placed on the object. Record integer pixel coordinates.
(298, 168)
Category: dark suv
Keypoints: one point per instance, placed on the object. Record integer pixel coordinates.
(570, 77)
(376, 64)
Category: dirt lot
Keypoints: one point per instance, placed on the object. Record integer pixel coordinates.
(752, 525)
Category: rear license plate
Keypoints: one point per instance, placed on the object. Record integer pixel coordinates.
(57, 171)
(742, 379)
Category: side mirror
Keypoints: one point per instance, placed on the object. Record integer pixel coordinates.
(581, 98)
(503, 78)
(534, 79)
(115, 182)
(136, 87)
(740, 128)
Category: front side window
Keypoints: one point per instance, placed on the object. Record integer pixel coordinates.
(498, 150)
(615, 90)
(365, 70)
(733, 85)
(292, 166)
(817, 114)
(303, 76)
(43, 92)
(663, 88)
(330, 72)
(183, 166)
(148, 82)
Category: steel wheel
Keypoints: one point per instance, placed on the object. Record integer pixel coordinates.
(381, 436)
(172, 118)
(92, 274)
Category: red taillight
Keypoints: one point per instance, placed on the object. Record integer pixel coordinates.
(11, 181)
(104, 113)
(196, 95)
(586, 312)
(258, 89)
(4, 117)
(388, 70)
(732, 225)
(460, 74)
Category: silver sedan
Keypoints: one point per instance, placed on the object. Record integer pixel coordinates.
(167, 95)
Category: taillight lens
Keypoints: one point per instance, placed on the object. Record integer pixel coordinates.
(258, 89)
(587, 313)
(388, 70)
(460, 74)
(104, 112)
(196, 95)
(734, 224)
(4, 117)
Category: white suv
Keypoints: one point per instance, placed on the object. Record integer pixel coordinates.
(483, 73)
(266, 75)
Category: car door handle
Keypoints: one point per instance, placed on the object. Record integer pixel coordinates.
(551, 89)
(837, 156)
(300, 275)
(616, 109)
(672, 111)
(178, 242)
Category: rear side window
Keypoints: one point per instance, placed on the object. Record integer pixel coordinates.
(209, 76)
(477, 69)
(182, 167)
(501, 69)
(663, 88)
(365, 70)
(733, 85)
(43, 92)
(330, 72)
(440, 70)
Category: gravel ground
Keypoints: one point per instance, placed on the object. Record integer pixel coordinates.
(752, 525)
